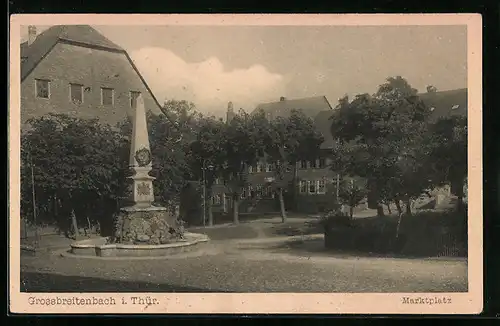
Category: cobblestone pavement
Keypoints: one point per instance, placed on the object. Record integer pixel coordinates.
(233, 267)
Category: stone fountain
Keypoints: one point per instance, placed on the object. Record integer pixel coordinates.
(141, 228)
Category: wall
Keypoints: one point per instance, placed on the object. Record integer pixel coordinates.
(306, 203)
(93, 68)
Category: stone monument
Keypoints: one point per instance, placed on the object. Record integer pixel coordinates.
(141, 221)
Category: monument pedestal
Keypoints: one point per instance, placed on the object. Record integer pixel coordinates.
(140, 222)
(147, 225)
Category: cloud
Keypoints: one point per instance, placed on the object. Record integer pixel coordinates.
(207, 83)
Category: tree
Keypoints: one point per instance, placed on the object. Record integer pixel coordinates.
(431, 89)
(380, 138)
(207, 156)
(287, 140)
(351, 194)
(447, 142)
(244, 145)
(78, 167)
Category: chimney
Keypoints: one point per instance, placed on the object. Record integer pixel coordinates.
(230, 112)
(282, 99)
(31, 34)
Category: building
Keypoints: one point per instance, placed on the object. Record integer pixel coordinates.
(75, 70)
(446, 103)
(310, 106)
(316, 182)
(312, 177)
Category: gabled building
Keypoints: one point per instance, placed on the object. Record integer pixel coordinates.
(316, 182)
(313, 179)
(74, 69)
(446, 103)
(310, 106)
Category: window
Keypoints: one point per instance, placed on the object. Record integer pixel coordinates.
(271, 192)
(313, 164)
(303, 164)
(322, 163)
(258, 191)
(321, 187)
(250, 169)
(269, 168)
(243, 194)
(217, 199)
(259, 167)
(76, 93)
(42, 87)
(312, 187)
(133, 98)
(303, 187)
(107, 96)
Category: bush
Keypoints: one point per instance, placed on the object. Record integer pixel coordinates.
(335, 218)
(424, 234)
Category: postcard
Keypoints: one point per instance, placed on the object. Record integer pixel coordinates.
(245, 164)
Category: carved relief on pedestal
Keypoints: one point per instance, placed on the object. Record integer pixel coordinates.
(144, 189)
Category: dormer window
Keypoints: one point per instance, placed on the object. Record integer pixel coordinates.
(454, 107)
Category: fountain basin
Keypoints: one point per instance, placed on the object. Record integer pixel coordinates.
(98, 247)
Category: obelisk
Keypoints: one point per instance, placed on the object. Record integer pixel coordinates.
(140, 162)
(140, 221)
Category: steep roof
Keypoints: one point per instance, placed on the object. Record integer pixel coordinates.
(446, 103)
(83, 35)
(323, 122)
(79, 35)
(310, 106)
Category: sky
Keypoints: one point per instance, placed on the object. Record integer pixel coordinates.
(248, 65)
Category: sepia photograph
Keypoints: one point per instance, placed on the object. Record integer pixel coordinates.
(245, 163)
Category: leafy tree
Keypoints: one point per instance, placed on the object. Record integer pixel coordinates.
(287, 140)
(379, 139)
(207, 156)
(431, 89)
(447, 143)
(78, 167)
(351, 194)
(244, 144)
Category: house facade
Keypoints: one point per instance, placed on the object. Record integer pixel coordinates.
(315, 182)
(75, 70)
(312, 180)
